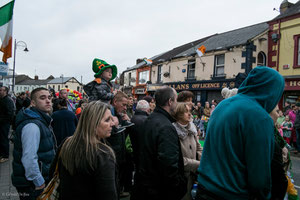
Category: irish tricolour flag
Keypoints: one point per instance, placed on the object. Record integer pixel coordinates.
(6, 23)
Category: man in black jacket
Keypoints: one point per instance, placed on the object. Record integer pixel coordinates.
(7, 109)
(141, 114)
(160, 173)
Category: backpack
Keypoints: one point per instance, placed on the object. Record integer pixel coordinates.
(90, 90)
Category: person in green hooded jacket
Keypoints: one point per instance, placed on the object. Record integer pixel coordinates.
(237, 155)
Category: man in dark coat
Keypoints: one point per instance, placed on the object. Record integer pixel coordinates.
(64, 122)
(20, 102)
(141, 114)
(7, 110)
(161, 173)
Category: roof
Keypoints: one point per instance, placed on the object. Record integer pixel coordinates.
(59, 80)
(169, 54)
(294, 9)
(33, 82)
(172, 53)
(229, 39)
(140, 64)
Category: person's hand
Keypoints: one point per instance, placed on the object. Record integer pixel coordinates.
(40, 187)
(115, 120)
(125, 117)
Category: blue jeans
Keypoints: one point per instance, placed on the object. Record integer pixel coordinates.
(4, 141)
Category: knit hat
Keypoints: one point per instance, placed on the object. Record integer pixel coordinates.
(100, 65)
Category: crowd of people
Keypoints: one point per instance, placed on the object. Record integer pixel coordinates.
(112, 146)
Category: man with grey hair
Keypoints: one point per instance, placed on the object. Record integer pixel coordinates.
(160, 173)
(141, 114)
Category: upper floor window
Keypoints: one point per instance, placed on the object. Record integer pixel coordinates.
(129, 78)
(219, 65)
(159, 73)
(143, 77)
(191, 69)
(261, 59)
(297, 51)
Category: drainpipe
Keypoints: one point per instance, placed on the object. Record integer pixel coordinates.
(278, 50)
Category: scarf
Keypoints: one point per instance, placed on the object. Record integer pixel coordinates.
(184, 130)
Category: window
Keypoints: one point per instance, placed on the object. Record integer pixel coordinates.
(53, 87)
(129, 77)
(17, 87)
(297, 51)
(159, 73)
(78, 88)
(58, 87)
(219, 65)
(143, 77)
(261, 59)
(191, 69)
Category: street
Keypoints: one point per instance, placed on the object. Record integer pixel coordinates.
(296, 171)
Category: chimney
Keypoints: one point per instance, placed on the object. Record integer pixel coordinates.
(139, 60)
(36, 77)
(284, 6)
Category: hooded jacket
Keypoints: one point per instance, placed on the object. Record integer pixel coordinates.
(236, 160)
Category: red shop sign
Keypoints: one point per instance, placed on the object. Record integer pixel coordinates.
(292, 84)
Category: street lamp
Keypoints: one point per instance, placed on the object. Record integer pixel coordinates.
(21, 44)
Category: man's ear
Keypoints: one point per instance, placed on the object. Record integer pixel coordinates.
(32, 103)
(169, 102)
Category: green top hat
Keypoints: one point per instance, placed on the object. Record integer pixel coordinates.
(100, 65)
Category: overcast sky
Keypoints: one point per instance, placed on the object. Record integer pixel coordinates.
(64, 36)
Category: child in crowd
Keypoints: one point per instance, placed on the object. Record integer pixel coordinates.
(281, 117)
(287, 127)
(101, 88)
(279, 129)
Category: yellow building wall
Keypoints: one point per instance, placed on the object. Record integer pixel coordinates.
(286, 55)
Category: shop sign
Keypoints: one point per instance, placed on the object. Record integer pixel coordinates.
(140, 91)
(286, 66)
(153, 87)
(201, 86)
(292, 84)
(3, 69)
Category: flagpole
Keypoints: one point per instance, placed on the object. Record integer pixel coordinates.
(14, 63)
(14, 68)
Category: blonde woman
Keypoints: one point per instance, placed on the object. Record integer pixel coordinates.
(190, 146)
(86, 163)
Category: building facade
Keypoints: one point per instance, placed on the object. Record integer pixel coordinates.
(220, 66)
(65, 82)
(284, 49)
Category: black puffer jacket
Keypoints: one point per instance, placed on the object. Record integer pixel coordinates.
(160, 173)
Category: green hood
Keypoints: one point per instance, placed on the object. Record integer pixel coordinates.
(265, 85)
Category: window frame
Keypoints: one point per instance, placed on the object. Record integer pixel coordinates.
(217, 66)
(296, 51)
(191, 62)
(264, 58)
(141, 75)
(159, 79)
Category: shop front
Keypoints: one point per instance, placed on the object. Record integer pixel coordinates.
(291, 91)
(139, 92)
(206, 90)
